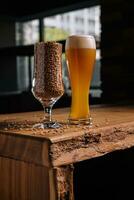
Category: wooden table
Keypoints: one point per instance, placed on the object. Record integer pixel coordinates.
(37, 164)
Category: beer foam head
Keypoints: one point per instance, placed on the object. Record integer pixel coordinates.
(80, 41)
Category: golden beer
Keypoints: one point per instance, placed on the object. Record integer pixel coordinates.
(80, 56)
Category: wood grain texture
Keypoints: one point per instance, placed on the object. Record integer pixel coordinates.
(113, 128)
(40, 165)
(22, 123)
(64, 182)
(24, 148)
(23, 181)
(92, 144)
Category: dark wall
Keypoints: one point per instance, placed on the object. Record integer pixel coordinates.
(117, 42)
(8, 76)
(7, 32)
(26, 9)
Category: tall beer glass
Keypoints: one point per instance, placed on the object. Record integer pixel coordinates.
(80, 55)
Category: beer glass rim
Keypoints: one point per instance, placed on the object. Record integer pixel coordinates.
(84, 35)
(80, 41)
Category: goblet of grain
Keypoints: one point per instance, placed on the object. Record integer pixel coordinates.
(47, 81)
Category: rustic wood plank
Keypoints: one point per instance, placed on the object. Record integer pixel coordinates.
(52, 184)
(64, 182)
(70, 143)
(20, 180)
(46, 172)
(92, 143)
(23, 148)
(22, 123)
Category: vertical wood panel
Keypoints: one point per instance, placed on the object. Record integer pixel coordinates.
(23, 181)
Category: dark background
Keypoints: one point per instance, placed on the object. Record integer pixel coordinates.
(111, 176)
(117, 42)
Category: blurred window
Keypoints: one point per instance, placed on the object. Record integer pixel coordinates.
(86, 20)
(55, 28)
(27, 32)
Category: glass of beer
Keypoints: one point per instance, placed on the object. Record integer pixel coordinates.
(80, 56)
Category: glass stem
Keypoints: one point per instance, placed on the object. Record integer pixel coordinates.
(48, 113)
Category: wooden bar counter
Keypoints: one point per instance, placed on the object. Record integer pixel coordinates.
(37, 164)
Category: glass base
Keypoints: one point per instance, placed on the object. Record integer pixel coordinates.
(45, 125)
(80, 121)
